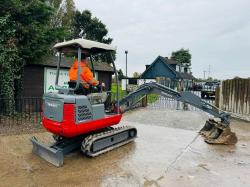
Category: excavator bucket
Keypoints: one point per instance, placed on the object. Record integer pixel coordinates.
(216, 133)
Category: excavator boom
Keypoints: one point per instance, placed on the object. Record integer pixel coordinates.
(214, 132)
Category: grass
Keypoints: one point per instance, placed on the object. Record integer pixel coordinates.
(113, 91)
(151, 98)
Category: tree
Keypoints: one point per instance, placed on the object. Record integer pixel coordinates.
(93, 29)
(69, 13)
(182, 56)
(28, 30)
(26, 35)
(212, 79)
(120, 74)
(64, 13)
(136, 74)
(9, 62)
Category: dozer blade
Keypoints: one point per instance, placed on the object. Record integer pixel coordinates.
(216, 133)
(50, 154)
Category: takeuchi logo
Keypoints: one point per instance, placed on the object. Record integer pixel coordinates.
(53, 105)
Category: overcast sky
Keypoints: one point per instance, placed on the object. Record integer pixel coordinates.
(217, 32)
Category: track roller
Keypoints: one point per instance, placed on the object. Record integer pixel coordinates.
(96, 144)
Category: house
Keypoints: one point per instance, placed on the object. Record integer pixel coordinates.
(40, 77)
(169, 73)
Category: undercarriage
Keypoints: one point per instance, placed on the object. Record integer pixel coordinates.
(91, 145)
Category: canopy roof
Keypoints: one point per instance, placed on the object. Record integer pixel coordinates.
(88, 45)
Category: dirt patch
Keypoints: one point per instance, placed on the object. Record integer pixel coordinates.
(20, 124)
(16, 128)
(19, 167)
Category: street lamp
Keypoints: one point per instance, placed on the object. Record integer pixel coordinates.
(126, 53)
(204, 74)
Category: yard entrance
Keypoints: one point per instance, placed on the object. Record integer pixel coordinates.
(159, 102)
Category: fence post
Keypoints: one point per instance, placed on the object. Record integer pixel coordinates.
(217, 97)
(221, 100)
(1, 109)
(184, 104)
(145, 101)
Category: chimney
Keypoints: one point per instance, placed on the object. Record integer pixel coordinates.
(147, 66)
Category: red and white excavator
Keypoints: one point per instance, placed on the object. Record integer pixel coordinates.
(80, 121)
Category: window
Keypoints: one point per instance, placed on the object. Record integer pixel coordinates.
(177, 68)
(182, 69)
(96, 75)
(133, 81)
(186, 70)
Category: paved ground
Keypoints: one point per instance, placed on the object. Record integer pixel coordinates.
(158, 157)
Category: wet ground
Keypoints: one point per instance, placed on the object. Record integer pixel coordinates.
(160, 156)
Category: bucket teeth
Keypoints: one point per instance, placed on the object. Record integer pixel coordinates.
(215, 133)
(205, 131)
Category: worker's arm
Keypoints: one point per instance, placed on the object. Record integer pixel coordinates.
(88, 77)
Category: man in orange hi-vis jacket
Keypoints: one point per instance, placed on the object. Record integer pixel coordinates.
(86, 75)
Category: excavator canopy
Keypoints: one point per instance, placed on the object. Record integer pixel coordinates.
(92, 46)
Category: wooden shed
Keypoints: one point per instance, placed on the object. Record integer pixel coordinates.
(38, 77)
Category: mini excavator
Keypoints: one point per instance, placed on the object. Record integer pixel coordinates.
(81, 121)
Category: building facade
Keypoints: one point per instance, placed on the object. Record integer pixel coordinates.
(169, 73)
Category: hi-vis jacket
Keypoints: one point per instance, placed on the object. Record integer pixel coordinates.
(86, 74)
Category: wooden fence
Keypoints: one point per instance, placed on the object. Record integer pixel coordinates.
(235, 96)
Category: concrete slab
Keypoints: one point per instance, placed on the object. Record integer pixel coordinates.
(160, 156)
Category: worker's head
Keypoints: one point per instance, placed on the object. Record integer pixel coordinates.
(83, 56)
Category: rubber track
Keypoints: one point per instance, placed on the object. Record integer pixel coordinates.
(89, 140)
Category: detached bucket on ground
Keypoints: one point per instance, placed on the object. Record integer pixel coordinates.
(214, 132)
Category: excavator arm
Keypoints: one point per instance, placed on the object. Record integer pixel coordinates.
(214, 132)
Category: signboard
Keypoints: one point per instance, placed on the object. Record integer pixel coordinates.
(123, 83)
(137, 82)
(143, 81)
(50, 79)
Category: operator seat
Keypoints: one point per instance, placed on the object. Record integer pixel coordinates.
(95, 95)
(84, 91)
(80, 90)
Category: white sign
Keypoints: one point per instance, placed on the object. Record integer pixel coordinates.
(124, 82)
(143, 81)
(139, 82)
(50, 79)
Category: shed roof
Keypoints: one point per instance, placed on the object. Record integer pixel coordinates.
(51, 61)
